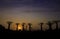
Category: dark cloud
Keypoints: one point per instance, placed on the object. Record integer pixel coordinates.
(30, 2)
(51, 4)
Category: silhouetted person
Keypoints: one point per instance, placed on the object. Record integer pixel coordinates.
(23, 24)
(9, 23)
(50, 25)
(30, 26)
(56, 22)
(41, 24)
(17, 26)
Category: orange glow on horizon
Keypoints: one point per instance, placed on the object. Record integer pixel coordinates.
(19, 27)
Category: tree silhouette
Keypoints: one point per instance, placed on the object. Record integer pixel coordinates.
(23, 24)
(50, 25)
(41, 24)
(56, 22)
(9, 24)
(30, 26)
(17, 26)
(26, 27)
(2, 28)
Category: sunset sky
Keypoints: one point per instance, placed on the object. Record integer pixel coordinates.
(29, 11)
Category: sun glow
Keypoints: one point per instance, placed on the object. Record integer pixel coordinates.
(19, 27)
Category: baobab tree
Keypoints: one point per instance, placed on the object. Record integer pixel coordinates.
(23, 24)
(41, 24)
(56, 22)
(26, 27)
(17, 26)
(50, 25)
(29, 24)
(9, 24)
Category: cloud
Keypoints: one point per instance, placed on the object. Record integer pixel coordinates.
(53, 4)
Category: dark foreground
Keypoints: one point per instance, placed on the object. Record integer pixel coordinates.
(28, 34)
